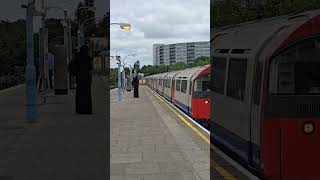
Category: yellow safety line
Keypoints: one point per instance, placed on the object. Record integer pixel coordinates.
(220, 169)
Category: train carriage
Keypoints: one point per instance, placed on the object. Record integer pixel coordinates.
(189, 94)
(187, 89)
(266, 92)
(169, 82)
(160, 86)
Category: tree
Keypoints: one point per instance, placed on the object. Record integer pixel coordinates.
(179, 66)
(84, 14)
(200, 61)
(13, 46)
(229, 12)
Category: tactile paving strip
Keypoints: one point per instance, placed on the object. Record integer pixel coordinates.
(216, 160)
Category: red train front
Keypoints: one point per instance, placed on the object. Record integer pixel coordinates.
(291, 101)
(266, 92)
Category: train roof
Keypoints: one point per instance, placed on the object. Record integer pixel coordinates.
(185, 74)
(192, 73)
(249, 37)
(172, 74)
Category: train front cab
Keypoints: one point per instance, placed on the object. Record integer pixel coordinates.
(266, 112)
(291, 116)
(201, 98)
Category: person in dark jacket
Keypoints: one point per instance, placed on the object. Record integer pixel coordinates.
(135, 84)
(81, 67)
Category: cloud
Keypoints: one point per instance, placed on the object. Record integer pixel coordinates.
(156, 21)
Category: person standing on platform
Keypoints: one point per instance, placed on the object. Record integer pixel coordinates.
(135, 84)
(51, 69)
(82, 68)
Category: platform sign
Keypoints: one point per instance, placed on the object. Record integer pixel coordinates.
(60, 70)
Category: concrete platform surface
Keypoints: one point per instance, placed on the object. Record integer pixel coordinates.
(63, 146)
(148, 143)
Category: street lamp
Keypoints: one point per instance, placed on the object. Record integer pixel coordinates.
(132, 55)
(124, 26)
(81, 31)
(31, 110)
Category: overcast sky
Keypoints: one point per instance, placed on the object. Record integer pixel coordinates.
(156, 21)
(10, 9)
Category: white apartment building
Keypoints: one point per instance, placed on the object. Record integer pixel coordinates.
(180, 52)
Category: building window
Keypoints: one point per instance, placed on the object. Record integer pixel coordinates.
(218, 74)
(184, 86)
(237, 78)
(178, 82)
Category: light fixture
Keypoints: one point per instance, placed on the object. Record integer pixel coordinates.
(308, 128)
(125, 27)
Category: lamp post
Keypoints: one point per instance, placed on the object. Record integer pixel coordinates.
(81, 32)
(132, 55)
(123, 26)
(119, 78)
(31, 110)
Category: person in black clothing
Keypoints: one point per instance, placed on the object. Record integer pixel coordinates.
(135, 84)
(81, 67)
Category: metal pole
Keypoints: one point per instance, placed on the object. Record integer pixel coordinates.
(31, 110)
(119, 79)
(45, 79)
(124, 77)
(130, 77)
(66, 43)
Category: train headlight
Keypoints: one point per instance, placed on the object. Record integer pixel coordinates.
(308, 128)
(206, 102)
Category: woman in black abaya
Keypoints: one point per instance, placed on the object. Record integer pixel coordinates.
(135, 84)
(83, 72)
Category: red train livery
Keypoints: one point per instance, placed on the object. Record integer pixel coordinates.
(266, 92)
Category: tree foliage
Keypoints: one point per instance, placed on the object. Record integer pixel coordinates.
(230, 12)
(12, 45)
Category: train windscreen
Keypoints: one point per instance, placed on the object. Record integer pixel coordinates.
(201, 87)
(294, 81)
(296, 71)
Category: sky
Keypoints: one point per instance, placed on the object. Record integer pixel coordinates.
(154, 22)
(11, 10)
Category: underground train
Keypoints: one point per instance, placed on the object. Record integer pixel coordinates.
(266, 90)
(187, 89)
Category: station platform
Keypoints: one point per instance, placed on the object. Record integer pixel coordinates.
(151, 140)
(62, 145)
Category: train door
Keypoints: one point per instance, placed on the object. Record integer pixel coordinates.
(173, 85)
(190, 95)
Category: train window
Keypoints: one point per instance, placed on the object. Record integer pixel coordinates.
(160, 82)
(218, 74)
(202, 83)
(178, 82)
(184, 86)
(168, 83)
(295, 71)
(237, 78)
